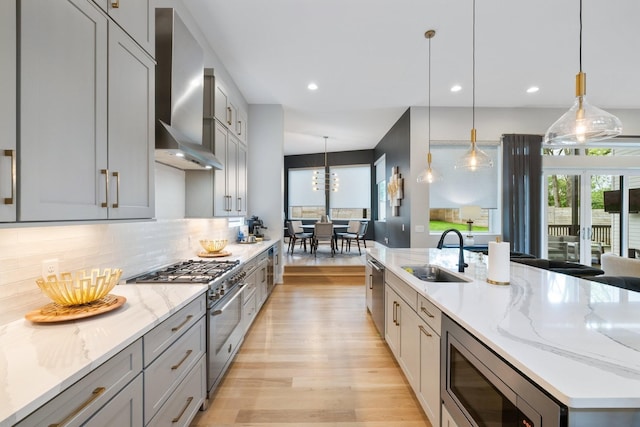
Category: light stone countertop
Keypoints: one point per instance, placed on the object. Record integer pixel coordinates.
(577, 339)
(38, 361)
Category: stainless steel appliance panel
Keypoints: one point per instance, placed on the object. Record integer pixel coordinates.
(377, 303)
(479, 388)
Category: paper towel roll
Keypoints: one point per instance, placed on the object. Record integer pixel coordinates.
(499, 263)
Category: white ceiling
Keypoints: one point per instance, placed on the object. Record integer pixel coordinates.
(369, 58)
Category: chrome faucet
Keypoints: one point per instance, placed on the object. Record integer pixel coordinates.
(461, 263)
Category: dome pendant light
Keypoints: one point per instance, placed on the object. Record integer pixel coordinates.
(583, 122)
(428, 176)
(474, 158)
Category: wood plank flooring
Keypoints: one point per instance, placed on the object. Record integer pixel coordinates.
(313, 358)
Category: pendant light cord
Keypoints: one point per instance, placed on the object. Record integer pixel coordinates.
(473, 102)
(429, 109)
(580, 51)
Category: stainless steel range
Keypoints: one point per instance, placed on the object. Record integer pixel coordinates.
(226, 280)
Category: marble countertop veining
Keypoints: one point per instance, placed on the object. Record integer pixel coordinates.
(577, 339)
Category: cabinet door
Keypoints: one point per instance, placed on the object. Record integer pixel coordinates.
(7, 111)
(392, 314)
(231, 167)
(262, 281)
(221, 197)
(124, 410)
(222, 109)
(63, 110)
(131, 131)
(241, 184)
(409, 344)
(137, 18)
(429, 387)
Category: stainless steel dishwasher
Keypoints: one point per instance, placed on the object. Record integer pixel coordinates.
(377, 291)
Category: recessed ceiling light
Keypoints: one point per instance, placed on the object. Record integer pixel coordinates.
(208, 167)
(533, 89)
(312, 86)
(179, 154)
(456, 88)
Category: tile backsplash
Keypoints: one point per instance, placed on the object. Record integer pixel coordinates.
(135, 247)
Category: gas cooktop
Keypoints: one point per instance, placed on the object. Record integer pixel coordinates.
(191, 271)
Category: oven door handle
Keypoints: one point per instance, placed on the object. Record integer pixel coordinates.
(223, 308)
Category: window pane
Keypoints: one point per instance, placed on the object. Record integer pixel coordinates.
(457, 188)
(304, 202)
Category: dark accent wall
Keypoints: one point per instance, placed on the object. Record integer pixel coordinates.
(340, 158)
(396, 145)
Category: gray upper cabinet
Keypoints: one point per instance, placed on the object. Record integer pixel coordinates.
(7, 110)
(86, 115)
(136, 17)
(63, 111)
(131, 131)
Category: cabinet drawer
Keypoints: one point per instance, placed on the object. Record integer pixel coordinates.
(166, 372)
(249, 311)
(429, 313)
(124, 410)
(405, 291)
(162, 336)
(78, 403)
(185, 402)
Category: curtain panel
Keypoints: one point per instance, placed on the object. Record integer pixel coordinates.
(521, 192)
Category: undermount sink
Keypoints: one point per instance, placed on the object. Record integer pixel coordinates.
(433, 273)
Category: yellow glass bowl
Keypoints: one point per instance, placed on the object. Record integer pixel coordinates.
(80, 287)
(215, 245)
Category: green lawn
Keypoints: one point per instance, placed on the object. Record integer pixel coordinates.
(442, 225)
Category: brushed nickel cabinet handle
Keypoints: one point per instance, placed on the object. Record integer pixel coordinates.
(229, 116)
(371, 281)
(397, 318)
(239, 127)
(105, 172)
(239, 204)
(94, 395)
(116, 175)
(424, 310)
(115, 4)
(424, 331)
(177, 328)
(12, 155)
(186, 356)
(176, 419)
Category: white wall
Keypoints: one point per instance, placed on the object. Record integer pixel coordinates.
(266, 168)
(454, 124)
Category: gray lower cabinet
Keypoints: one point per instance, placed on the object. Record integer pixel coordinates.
(175, 371)
(413, 334)
(86, 116)
(111, 395)
(8, 64)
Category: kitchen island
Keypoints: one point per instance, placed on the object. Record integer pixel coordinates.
(576, 339)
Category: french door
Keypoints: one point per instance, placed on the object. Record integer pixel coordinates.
(584, 216)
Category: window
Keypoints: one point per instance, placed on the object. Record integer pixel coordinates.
(381, 186)
(353, 198)
(457, 189)
(304, 202)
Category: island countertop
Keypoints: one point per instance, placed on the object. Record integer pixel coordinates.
(579, 340)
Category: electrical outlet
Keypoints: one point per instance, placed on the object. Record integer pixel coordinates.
(50, 267)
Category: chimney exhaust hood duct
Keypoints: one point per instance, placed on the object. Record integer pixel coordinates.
(179, 96)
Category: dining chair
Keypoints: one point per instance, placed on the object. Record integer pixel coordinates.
(358, 236)
(352, 229)
(296, 232)
(323, 232)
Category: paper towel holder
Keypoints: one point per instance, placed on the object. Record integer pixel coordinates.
(496, 282)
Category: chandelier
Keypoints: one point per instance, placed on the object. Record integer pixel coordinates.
(327, 181)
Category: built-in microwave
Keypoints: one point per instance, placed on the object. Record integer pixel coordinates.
(479, 388)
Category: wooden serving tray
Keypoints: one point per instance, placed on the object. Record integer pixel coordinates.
(54, 312)
(213, 254)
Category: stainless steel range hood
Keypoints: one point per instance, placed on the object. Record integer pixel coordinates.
(179, 96)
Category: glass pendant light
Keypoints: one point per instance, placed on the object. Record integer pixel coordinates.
(583, 122)
(327, 181)
(474, 158)
(428, 176)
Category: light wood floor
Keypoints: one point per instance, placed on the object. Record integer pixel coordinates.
(313, 358)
